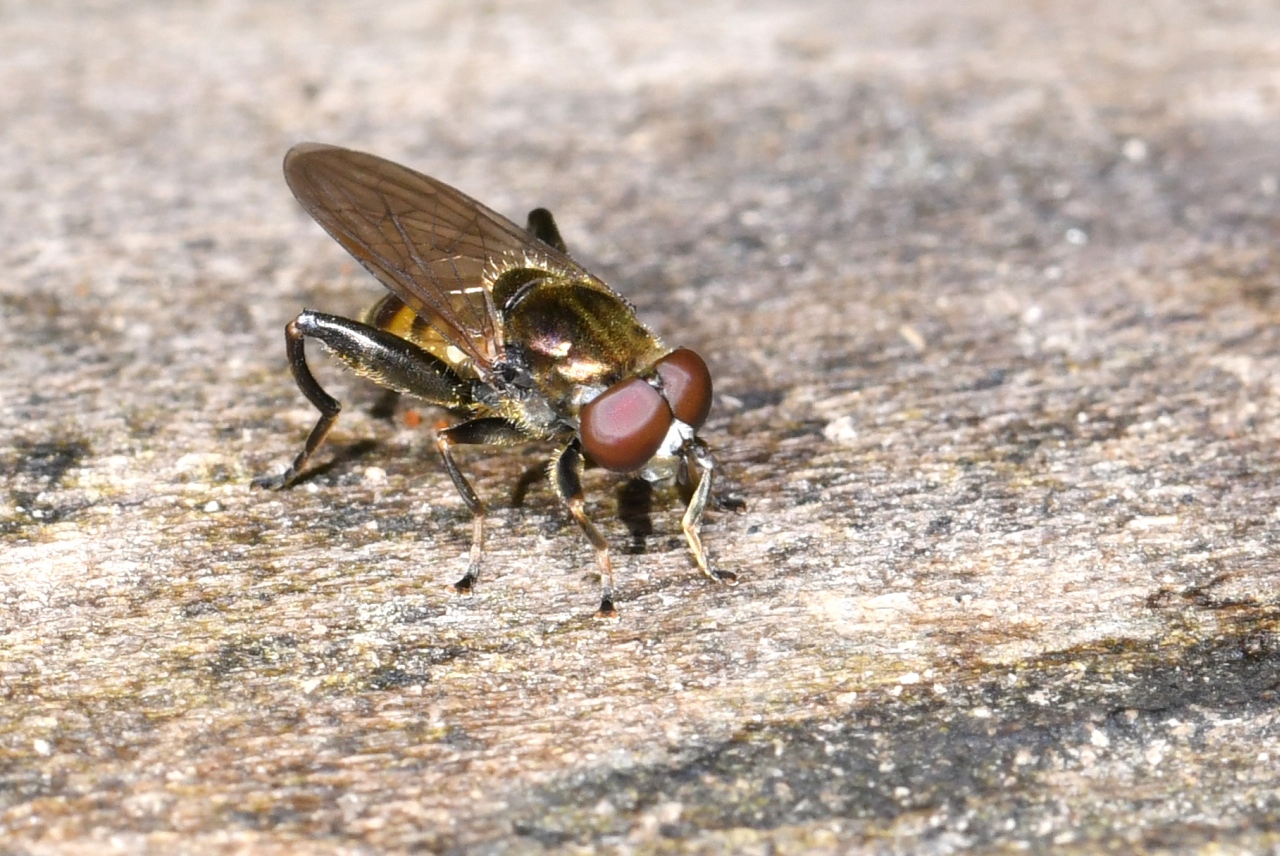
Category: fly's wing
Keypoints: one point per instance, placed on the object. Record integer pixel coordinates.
(426, 242)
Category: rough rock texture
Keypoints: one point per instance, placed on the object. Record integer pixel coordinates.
(990, 291)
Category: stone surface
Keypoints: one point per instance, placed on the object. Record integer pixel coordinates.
(991, 298)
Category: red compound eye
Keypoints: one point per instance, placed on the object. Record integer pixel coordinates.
(686, 384)
(623, 427)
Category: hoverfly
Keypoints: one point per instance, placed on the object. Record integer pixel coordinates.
(499, 326)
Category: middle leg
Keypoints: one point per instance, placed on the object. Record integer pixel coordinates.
(567, 479)
(488, 431)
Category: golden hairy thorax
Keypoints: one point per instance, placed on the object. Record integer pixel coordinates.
(576, 338)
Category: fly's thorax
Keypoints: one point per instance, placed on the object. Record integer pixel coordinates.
(573, 336)
(534, 414)
(511, 392)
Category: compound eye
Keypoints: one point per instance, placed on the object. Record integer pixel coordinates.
(686, 384)
(623, 427)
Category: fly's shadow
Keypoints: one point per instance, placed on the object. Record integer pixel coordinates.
(634, 497)
(635, 510)
(341, 457)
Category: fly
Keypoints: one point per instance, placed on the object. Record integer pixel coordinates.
(499, 326)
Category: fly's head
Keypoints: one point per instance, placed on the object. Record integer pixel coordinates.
(649, 422)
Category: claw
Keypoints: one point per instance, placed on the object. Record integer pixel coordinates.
(274, 482)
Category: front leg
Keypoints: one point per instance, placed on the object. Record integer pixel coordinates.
(691, 523)
(386, 359)
(566, 469)
(489, 431)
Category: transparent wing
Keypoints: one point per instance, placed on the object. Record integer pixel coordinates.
(426, 242)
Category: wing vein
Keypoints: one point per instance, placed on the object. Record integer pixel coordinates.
(432, 246)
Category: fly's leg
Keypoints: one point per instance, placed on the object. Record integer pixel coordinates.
(385, 359)
(725, 501)
(525, 483)
(566, 469)
(385, 406)
(543, 227)
(489, 431)
(692, 520)
(328, 406)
